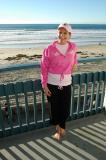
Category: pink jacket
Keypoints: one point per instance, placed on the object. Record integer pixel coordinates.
(54, 62)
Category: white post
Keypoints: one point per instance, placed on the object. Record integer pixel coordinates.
(104, 103)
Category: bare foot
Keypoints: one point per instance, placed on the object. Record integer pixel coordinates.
(56, 136)
(58, 128)
(62, 132)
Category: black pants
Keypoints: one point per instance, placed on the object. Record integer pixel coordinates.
(60, 104)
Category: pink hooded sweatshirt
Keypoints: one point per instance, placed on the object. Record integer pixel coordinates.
(53, 61)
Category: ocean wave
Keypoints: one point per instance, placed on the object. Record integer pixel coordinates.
(41, 37)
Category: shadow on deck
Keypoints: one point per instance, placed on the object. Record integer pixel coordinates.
(85, 140)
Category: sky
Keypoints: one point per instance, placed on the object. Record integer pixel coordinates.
(52, 11)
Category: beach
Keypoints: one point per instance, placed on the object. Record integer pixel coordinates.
(24, 55)
(18, 55)
(30, 55)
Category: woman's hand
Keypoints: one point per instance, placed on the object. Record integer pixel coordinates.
(47, 91)
(75, 68)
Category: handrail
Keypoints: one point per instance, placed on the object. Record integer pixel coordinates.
(21, 99)
(15, 67)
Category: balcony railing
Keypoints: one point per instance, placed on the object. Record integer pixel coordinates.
(23, 105)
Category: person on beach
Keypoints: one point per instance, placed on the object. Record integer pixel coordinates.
(58, 61)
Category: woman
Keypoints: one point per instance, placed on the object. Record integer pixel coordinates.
(57, 63)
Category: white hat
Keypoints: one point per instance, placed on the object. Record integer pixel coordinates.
(65, 26)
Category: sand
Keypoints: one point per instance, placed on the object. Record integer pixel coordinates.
(18, 55)
(29, 55)
(23, 55)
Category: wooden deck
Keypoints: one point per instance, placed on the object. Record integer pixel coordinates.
(85, 140)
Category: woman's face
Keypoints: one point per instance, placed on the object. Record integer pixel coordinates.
(63, 36)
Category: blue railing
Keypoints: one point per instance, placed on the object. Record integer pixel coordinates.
(23, 105)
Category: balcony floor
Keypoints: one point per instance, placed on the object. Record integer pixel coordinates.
(85, 140)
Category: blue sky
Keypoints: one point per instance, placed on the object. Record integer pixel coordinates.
(53, 11)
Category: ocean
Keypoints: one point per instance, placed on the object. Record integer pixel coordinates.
(40, 35)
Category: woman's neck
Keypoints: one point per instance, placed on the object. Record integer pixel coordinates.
(61, 43)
